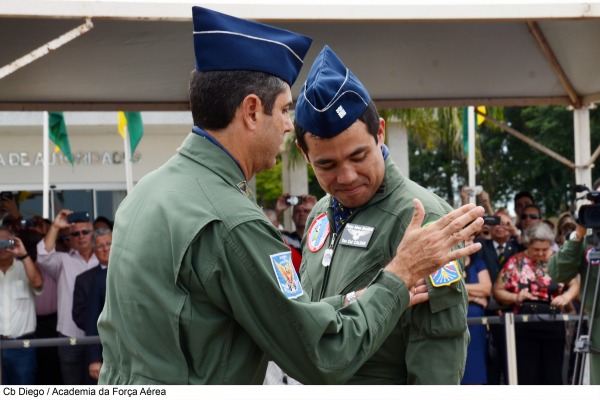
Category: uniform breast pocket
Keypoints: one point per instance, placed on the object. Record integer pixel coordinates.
(362, 266)
(21, 290)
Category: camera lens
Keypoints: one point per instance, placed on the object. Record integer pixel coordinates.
(292, 200)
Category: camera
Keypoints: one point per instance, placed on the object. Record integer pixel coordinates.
(7, 244)
(589, 214)
(491, 220)
(6, 196)
(294, 200)
(27, 223)
(80, 216)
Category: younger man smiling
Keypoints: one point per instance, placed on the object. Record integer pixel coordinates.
(354, 231)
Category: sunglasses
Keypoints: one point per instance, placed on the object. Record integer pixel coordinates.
(84, 231)
(530, 216)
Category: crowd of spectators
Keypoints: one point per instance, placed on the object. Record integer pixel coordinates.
(40, 263)
(514, 257)
(62, 268)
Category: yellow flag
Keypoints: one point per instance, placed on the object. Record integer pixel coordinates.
(122, 124)
(480, 119)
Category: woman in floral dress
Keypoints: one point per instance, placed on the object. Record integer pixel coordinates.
(525, 286)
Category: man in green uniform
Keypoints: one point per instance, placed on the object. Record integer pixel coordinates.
(201, 288)
(574, 258)
(353, 232)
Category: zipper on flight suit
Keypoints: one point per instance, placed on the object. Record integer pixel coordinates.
(328, 255)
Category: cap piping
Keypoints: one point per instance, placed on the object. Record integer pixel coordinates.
(251, 37)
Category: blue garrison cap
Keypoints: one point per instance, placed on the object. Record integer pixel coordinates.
(226, 43)
(332, 98)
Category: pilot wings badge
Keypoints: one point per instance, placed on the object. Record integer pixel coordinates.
(286, 274)
(447, 275)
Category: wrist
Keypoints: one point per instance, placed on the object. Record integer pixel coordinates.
(351, 298)
(575, 237)
(24, 256)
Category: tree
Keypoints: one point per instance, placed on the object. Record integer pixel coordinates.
(515, 166)
(506, 165)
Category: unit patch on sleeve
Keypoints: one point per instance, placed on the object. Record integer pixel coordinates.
(317, 233)
(447, 275)
(356, 235)
(286, 274)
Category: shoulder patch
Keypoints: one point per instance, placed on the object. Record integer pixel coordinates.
(447, 275)
(286, 274)
(317, 233)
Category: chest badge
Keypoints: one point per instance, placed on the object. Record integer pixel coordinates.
(286, 274)
(447, 275)
(357, 235)
(317, 233)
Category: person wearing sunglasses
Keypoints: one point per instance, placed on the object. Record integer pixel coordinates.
(530, 216)
(64, 268)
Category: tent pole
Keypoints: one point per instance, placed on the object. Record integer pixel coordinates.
(581, 124)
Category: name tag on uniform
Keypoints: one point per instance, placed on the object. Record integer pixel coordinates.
(357, 235)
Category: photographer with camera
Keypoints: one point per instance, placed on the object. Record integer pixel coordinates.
(21, 280)
(64, 268)
(302, 204)
(576, 256)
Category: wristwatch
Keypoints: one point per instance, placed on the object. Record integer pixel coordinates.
(351, 297)
(21, 258)
(574, 237)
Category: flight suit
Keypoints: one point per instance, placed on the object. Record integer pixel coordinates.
(201, 289)
(572, 259)
(428, 346)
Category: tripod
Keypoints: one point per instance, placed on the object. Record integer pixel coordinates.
(583, 342)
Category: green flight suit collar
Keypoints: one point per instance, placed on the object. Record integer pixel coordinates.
(213, 157)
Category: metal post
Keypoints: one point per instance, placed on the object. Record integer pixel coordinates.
(581, 125)
(511, 348)
(397, 141)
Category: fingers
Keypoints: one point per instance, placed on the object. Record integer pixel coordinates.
(418, 215)
(418, 299)
(465, 232)
(458, 219)
(463, 252)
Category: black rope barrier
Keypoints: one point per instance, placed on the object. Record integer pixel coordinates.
(487, 320)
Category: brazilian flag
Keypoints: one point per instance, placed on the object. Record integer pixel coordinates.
(58, 134)
(135, 127)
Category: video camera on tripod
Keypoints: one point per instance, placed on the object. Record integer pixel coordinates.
(589, 214)
(588, 217)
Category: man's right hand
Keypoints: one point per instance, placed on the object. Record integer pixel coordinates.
(61, 220)
(424, 250)
(282, 204)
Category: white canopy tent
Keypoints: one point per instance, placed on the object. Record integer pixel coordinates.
(138, 54)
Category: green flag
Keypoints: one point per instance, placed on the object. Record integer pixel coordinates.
(58, 134)
(135, 127)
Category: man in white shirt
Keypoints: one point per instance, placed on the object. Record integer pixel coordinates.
(20, 281)
(64, 268)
